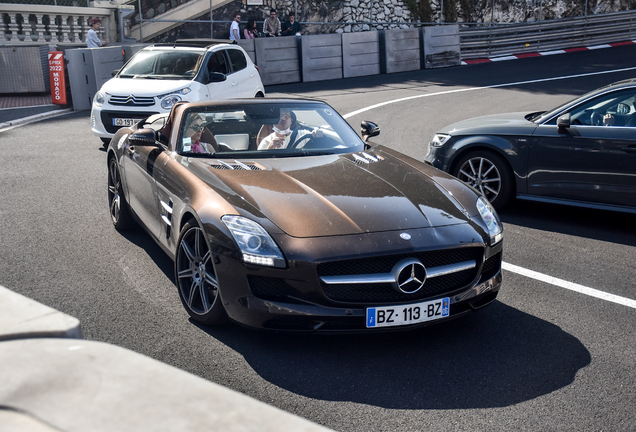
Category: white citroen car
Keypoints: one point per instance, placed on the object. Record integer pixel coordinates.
(159, 76)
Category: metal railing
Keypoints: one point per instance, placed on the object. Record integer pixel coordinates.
(505, 39)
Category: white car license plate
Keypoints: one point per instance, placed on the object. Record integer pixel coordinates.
(124, 121)
(387, 316)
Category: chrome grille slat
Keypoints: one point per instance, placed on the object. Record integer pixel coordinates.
(132, 100)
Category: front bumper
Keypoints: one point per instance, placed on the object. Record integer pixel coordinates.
(102, 117)
(299, 299)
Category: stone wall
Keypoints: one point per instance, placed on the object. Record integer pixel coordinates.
(345, 16)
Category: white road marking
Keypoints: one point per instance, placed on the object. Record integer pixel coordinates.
(570, 285)
(511, 267)
(369, 108)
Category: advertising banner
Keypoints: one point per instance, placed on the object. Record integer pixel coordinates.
(58, 78)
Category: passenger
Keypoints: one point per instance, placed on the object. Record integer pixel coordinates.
(286, 132)
(195, 127)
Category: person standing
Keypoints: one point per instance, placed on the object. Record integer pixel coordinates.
(291, 27)
(271, 26)
(92, 40)
(234, 28)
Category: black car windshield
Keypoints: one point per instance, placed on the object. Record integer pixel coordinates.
(266, 130)
(161, 64)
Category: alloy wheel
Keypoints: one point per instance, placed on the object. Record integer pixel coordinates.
(195, 273)
(483, 175)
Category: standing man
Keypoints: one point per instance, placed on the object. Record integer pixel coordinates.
(291, 27)
(271, 26)
(92, 40)
(234, 28)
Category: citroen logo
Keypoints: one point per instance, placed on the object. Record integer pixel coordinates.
(410, 275)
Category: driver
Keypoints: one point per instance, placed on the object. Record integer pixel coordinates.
(608, 120)
(286, 132)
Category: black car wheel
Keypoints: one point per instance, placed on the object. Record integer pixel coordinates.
(119, 213)
(195, 277)
(489, 174)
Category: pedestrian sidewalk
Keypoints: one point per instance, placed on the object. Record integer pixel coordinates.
(23, 108)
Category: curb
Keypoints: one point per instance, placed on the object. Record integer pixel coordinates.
(32, 119)
(544, 53)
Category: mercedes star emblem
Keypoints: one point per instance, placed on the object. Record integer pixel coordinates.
(409, 274)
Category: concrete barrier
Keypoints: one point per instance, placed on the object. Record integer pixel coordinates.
(322, 57)
(278, 60)
(50, 383)
(249, 46)
(441, 46)
(360, 54)
(402, 50)
(88, 70)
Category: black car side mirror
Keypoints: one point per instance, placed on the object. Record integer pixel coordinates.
(369, 129)
(143, 137)
(217, 77)
(563, 122)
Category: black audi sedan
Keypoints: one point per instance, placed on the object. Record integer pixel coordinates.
(582, 153)
(279, 216)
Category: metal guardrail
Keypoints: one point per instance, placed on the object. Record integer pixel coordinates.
(505, 39)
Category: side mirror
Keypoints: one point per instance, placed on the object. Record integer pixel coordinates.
(369, 129)
(217, 77)
(115, 72)
(143, 137)
(563, 122)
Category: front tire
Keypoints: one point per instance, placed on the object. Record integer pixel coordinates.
(489, 174)
(195, 277)
(119, 211)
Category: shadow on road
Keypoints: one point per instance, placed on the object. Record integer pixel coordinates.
(594, 224)
(497, 357)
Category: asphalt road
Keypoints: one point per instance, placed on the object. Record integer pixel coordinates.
(540, 358)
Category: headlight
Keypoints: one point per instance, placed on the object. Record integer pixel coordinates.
(439, 140)
(491, 219)
(99, 98)
(255, 243)
(169, 101)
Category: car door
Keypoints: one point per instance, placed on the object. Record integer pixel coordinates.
(242, 77)
(219, 63)
(138, 164)
(586, 161)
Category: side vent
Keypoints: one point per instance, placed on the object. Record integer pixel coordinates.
(236, 165)
(365, 158)
(166, 216)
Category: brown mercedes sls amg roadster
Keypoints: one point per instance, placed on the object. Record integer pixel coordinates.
(279, 216)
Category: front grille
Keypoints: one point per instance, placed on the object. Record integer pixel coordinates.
(131, 100)
(491, 267)
(385, 292)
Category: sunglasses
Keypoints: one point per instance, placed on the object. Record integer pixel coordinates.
(196, 127)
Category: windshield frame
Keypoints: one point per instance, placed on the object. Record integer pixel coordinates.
(338, 132)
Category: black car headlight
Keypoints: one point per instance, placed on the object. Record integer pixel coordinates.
(255, 243)
(491, 219)
(439, 140)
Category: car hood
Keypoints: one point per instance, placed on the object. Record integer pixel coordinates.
(334, 195)
(143, 87)
(512, 123)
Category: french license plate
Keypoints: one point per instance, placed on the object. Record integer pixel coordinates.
(124, 121)
(387, 316)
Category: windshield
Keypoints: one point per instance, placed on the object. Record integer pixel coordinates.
(266, 130)
(158, 64)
